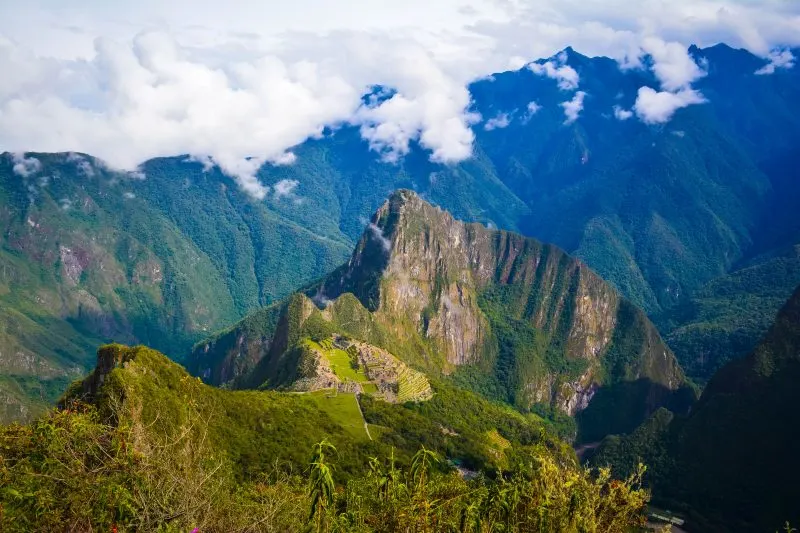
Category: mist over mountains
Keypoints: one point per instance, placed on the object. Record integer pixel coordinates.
(663, 211)
(569, 252)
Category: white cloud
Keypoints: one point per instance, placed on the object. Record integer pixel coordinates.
(672, 64)
(777, 59)
(675, 70)
(573, 108)
(531, 109)
(429, 105)
(25, 166)
(83, 166)
(565, 75)
(622, 114)
(654, 107)
(284, 188)
(502, 120)
(127, 82)
(377, 232)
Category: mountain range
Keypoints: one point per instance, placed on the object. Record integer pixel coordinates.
(732, 462)
(676, 216)
(578, 280)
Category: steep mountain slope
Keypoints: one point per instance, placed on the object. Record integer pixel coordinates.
(505, 315)
(658, 210)
(88, 255)
(725, 318)
(733, 461)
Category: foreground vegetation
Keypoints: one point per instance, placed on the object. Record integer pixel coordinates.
(140, 445)
(69, 471)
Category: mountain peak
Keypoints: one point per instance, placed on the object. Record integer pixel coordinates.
(446, 283)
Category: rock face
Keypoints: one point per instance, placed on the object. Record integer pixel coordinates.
(426, 275)
(490, 310)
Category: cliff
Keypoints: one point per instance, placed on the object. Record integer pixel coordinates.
(428, 276)
(489, 310)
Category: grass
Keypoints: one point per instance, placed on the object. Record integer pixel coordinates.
(343, 409)
(377, 431)
(339, 360)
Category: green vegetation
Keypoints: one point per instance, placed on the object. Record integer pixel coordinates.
(89, 255)
(71, 471)
(343, 408)
(726, 318)
(341, 362)
(156, 450)
(732, 463)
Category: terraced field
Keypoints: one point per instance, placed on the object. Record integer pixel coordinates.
(339, 361)
(412, 385)
(376, 372)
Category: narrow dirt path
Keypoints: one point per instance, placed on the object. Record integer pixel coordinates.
(366, 426)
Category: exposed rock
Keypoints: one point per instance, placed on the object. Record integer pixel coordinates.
(434, 268)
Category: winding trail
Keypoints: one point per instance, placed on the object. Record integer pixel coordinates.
(358, 403)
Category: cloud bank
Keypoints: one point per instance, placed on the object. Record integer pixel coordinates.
(240, 83)
(675, 70)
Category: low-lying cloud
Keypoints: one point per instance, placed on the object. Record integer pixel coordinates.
(240, 84)
(675, 70)
(622, 114)
(573, 108)
(500, 121)
(25, 166)
(657, 107)
(566, 76)
(777, 59)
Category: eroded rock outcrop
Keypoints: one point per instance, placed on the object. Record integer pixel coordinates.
(491, 310)
(423, 273)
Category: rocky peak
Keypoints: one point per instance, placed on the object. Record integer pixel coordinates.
(426, 275)
(109, 357)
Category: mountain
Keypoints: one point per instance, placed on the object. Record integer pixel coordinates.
(502, 314)
(139, 445)
(733, 461)
(724, 319)
(664, 212)
(89, 255)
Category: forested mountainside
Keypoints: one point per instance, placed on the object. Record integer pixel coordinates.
(676, 216)
(732, 463)
(89, 255)
(504, 315)
(725, 318)
(139, 445)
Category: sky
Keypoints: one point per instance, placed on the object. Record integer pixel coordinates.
(238, 83)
